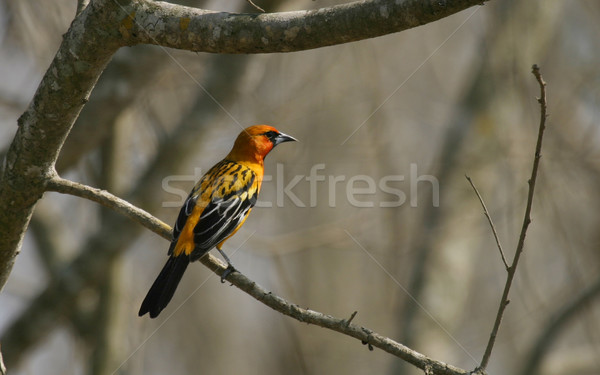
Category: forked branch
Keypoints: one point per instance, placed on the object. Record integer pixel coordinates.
(489, 218)
(526, 221)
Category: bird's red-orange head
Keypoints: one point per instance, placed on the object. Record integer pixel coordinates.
(255, 142)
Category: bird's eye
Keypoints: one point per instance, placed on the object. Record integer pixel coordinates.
(271, 134)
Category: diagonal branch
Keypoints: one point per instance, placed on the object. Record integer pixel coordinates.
(60, 185)
(526, 220)
(489, 218)
(243, 283)
(343, 326)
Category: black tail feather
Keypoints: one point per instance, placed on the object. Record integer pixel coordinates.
(164, 286)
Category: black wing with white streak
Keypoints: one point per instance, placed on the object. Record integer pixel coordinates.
(228, 191)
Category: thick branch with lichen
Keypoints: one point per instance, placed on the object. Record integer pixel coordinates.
(43, 128)
(221, 32)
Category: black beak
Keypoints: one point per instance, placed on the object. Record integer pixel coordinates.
(280, 138)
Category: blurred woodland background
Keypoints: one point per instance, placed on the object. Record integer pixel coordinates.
(450, 98)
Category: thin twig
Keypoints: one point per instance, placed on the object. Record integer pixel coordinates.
(351, 318)
(489, 218)
(60, 185)
(526, 220)
(255, 6)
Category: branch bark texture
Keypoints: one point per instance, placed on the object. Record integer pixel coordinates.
(220, 32)
(109, 200)
(44, 126)
(365, 335)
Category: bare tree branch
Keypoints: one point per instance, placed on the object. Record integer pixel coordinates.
(489, 218)
(200, 30)
(526, 220)
(343, 326)
(243, 283)
(29, 162)
(109, 200)
(478, 97)
(255, 6)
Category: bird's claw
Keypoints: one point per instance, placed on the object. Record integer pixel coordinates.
(226, 273)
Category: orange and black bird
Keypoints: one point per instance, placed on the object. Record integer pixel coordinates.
(215, 209)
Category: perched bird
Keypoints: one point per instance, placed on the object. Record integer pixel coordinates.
(215, 209)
